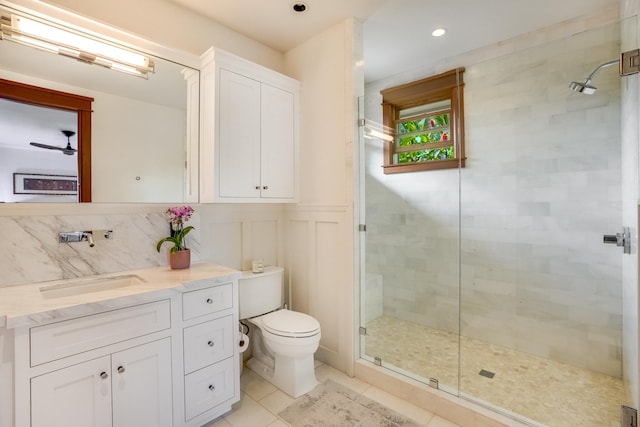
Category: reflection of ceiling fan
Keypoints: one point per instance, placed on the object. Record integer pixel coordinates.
(68, 150)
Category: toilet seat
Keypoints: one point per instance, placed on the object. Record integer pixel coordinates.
(287, 323)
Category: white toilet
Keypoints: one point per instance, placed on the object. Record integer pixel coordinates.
(283, 341)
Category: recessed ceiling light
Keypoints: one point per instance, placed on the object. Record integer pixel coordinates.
(438, 32)
(299, 7)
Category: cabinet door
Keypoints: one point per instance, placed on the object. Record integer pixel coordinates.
(278, 151)
(77, 396)
(239, 136)
(142, 392)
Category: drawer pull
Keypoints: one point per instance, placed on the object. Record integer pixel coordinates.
(120, 369)
(104, 375)
(212, 387)
(209, 301)
(210, 343)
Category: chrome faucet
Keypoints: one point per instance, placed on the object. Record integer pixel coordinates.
(84, 236)
(88, 236)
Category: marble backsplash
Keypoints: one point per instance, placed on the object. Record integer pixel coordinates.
(31, 252)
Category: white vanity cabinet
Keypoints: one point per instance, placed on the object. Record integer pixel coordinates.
(250, 136)
(107, 369)
(211, 361)
(128, 388)
(161, 352)
(142, 375)
(75, 396)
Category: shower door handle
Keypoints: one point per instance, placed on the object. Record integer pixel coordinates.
(619, 239)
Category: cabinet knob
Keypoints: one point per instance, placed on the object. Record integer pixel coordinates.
(209, 301)
(104, 375)
(257, 187)
(120, 369)
(266, 187)
(212, 387)
(210, 343)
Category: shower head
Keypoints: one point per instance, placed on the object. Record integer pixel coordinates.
(585, 87)
(582, 88)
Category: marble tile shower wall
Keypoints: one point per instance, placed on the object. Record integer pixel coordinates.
(541, 186)
(31, 252)
(412, 243)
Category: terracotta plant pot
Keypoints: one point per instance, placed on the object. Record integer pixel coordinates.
(179, 260)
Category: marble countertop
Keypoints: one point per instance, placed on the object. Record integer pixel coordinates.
(27, 305)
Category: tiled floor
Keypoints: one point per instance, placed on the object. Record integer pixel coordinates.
(539, 389)
(261, 402)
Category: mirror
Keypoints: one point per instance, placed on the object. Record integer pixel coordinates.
(140, 130)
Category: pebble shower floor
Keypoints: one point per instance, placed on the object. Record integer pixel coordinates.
(541, 390)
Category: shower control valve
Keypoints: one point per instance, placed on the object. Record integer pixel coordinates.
(619, 239)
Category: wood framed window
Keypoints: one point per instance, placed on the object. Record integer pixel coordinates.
(425, 124)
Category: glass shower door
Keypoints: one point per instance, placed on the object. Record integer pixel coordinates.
(541, 295)
(409, 308)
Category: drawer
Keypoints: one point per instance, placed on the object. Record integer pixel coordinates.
(208, 343)
(62, 339)
(209, 387)
(207, 301)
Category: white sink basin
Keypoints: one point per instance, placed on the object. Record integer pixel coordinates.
(93, 284)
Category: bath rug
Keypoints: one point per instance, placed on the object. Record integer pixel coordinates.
(333, 405)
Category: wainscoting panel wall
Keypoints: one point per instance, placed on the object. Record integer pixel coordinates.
(234, 235)
(299, 263)
(320, 266)
(260, 241)
(224, 242)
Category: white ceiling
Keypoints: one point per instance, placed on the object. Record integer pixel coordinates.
(389, 24)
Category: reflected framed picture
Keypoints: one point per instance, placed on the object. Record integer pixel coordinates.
(55, 185)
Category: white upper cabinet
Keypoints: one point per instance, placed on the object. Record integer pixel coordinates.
(239, 141)
(249, 123)
(278, 143)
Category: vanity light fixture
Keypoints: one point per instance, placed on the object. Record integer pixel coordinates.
(65, 42)
(439, 32)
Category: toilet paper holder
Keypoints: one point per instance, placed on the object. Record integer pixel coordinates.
(243, 342)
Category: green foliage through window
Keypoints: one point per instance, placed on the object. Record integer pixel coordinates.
(425, 155)
(425, 130)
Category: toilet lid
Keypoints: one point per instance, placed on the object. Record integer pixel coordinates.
(290, 324)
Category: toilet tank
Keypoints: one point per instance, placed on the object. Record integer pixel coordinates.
(260, 293)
